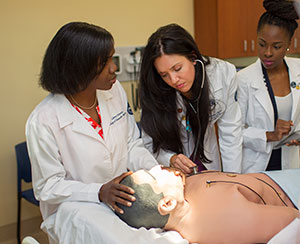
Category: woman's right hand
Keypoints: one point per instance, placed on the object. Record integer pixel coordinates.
(182, 162)
(113, 192)
(282, 129)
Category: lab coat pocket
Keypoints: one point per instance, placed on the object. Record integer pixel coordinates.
(259, 116)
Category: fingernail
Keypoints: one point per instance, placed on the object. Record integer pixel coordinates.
(129, 204)
(132, 199)
(121, 212)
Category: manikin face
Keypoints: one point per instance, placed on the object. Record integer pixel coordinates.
(273, 42)
(168, 181)
(177, 71)
(106, 79)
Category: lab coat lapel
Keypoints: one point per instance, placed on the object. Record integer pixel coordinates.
(261, 92)
(294, 75)
(67, 115)
(104, 97)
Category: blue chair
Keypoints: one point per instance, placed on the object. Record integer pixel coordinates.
(24, 172)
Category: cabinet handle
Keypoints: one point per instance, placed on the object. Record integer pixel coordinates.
(252, 45)
(245, 45)
(295, 43)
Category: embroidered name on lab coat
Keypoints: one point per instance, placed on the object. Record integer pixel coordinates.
(117, 117)
(218, 109)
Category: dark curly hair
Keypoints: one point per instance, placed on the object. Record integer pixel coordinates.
(281, 13)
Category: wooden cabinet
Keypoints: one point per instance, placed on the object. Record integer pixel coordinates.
(295, 42)
(227, 28)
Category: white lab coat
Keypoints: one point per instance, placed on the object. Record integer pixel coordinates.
(227, 114)
(258, 117)
(70, 161)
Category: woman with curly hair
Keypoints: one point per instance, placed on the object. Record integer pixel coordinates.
(269, 94)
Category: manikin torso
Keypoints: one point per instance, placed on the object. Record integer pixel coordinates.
(219, 209)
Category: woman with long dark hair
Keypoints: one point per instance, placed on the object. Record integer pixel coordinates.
(269, 94)
(184, 97)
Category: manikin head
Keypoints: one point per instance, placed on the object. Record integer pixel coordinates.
(158, 192)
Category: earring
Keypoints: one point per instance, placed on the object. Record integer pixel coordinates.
(288, 49)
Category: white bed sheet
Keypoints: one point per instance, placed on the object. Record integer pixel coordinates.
(290, 234)
(90, 223)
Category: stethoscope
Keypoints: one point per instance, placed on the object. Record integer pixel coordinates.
(195, 168)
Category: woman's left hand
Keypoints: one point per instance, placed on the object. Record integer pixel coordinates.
(113, 192)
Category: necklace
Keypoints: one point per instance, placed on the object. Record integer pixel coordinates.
(83, 107)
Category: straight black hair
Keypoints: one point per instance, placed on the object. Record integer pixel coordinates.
(75, 56)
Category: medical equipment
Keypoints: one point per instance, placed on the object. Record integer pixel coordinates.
(196, 110)
(128, 60)
(118, 62)
(195, 170)
(136, 58)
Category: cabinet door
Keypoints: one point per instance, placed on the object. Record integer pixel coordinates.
(205, 22)
(254, 10)
(293, 45)
(232, 28)
(227, 28)
(237, 27)
(295, 42)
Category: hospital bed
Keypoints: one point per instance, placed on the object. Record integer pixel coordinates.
(84, 222)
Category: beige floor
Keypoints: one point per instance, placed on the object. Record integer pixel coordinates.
(28, 228)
